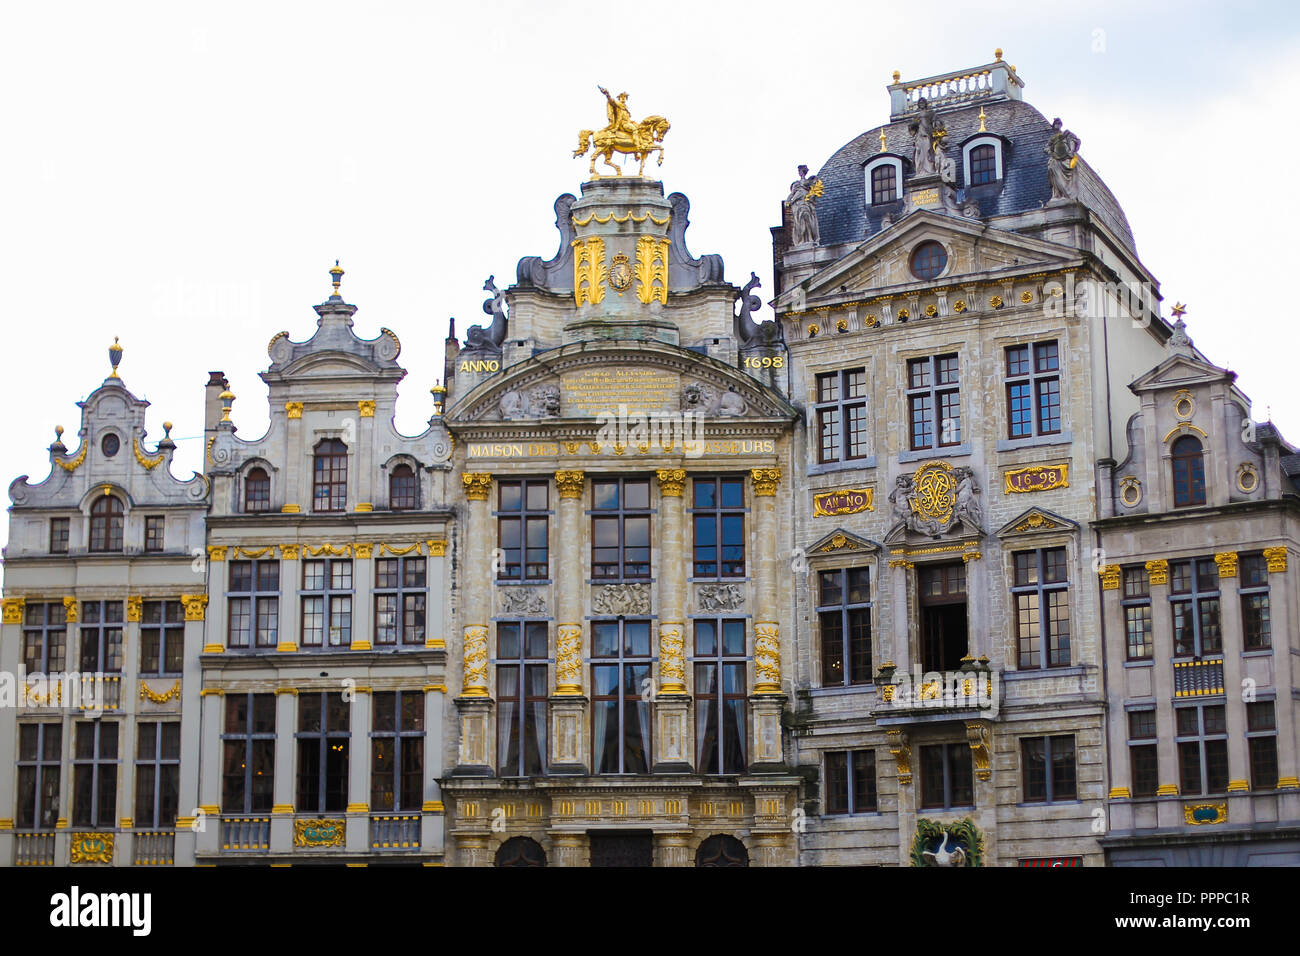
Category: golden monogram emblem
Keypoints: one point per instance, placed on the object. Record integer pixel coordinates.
(620, 274)
(935, 494)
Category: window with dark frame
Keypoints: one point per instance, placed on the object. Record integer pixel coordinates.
(620, 529)
(330, 476)
(162, 638)
(101, 637)
(1048, 769)
(1194, 600)
(157, 774)
(844, 615)
(1201, 736)
(1144, 761)
(1042, 599)
(400, 595)
(324, 739)
(850, 782)
(523, 529)
(40, 762)
(45, 637)
(929, 259)
(106, 517)
(403, 490)
(1033, 390)
(933, 387)
(718, 524)
(257, 490)
(253, 603)
(720, 695)
(327, 602)
(59, 535)
(983, 164)
(397, 751)
(154, 528)
(1261, 742)
(94, 774)
(947, 776)
(521, 697)
(1252, 586)
(841, 414)
(1189, 471)
(884, 184)
(620, 716)
(248, 754)
(1137, 613)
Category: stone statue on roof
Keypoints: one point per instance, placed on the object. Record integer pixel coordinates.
(803, 208)
(1062, 156)
(927, 134)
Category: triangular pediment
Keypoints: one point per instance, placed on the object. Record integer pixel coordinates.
(840, 542)
(1179, 371)
(881, 262)
(1036, 521)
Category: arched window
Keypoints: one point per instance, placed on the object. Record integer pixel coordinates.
(722, 850)
(106, 524)
(520, 851)
(1189, 472)
(983, 164)
(882, 185)
(257, 490)
(330, 478)
(402, 489)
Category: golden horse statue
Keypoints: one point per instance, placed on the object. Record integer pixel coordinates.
(623, 136)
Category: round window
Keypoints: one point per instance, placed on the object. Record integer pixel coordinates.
(928, 260)
(109, 445)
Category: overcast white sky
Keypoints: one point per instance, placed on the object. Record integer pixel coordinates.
(182, 175)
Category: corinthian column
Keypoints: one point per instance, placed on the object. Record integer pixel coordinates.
(568, 704)
(475, 700)
(671, 704)
(767, 699)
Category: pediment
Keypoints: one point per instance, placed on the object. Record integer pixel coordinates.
(840, 542)
(1179, 371)
(1036, 521)
(329, 365)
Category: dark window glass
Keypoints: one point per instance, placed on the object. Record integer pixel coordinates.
(929, 260)
(402, 489)
(1189, 472)
(94, 775)
(720, 686)
(1256, 617)
(1201, 736)
(521, 698)
(253, 604)
(1194, 601)
(841, 413)
(154, 526)
(620, 529)
(397, 751)
(101, 637)
(45, 637)
(324, 740)
(327, 603)
(844, 613)
(157, 773)
(40, 758)
(884, 184)
(718, 521)
(620, 673)
(330, 476)
(257, 490)
(106, 516)
(1033, 383)
(933, 390)
(110, 445)
(248, 754)
(1042, 604)
(162, 638)
(983, 164)
(850, 782)
(947, 780)
(58, 536)
(400, 593)
(1048, 768)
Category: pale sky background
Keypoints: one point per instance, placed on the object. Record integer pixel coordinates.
(182, 175)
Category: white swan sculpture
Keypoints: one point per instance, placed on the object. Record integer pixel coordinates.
(945, 857)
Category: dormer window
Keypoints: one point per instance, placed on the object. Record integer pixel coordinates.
(884, 177)
(257, 490)
(1189, 472)
(982, 160)
(330, 477)
(402, 489)
(106, 516)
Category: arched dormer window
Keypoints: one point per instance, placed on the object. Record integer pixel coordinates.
(402, 489)
(981, 159)
(106, 517)
(884, 180)
(330, 476)
(1189, 472)
(257, 490)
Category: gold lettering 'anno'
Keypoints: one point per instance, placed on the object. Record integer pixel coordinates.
(480, 365)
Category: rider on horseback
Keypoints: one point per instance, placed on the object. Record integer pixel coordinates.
(620, 117)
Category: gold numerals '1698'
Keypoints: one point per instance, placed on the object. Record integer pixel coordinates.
(767, 361)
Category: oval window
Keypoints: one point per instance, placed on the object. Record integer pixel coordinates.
(109, 445)
(928, 260)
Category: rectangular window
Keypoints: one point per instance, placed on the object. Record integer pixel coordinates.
(933, 402)
(58, 536)
(324, 737)
(101, 637)
(620, 711)
(45, 636)
(40, 758)
(253, 603)
(162, 638)
(1041, 595)
(884, 185)
(1142, 752)
(521, 697)
(248, 754)
(947, 780)
(1252, 585)
(1261, 742)
(1048, 768)
(841, 414)
(154, 525)
(94, 774)
(718, 520)
(850, 782)
(400, 590)
(327, 603)
(397, 751)
(1033, 382)
(720, 686)
(1194, 599)
(844, 613)
(983, 165)
(523, 510)
(157, 773)
(620, 529)
(1137, 613)
(1201, 735)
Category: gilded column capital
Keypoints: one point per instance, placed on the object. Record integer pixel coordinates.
(1109, 577)
(195, 604)
(216, 552)
(474, 682)
(478, 485)
(366, 408)
(134, 607)
(293, 409)
(671, 481)
(1275, 559)
(570, 483)
(363, 550)
(1158, 571)
(289, 551)
(70, 609)
(901, 749)
(13, 610)
(1227, 562)
(568, 660)
(767, 657)
(765, 481)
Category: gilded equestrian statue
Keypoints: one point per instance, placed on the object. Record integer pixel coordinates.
(622, 135)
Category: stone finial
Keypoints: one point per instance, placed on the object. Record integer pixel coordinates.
(115, 356)
(336, 276)
(997, 54)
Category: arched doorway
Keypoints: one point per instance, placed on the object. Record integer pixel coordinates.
(520, 851)
(722, 850)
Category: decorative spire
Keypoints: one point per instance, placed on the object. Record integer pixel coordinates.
(58, 445)
(167, 436)
(983, 129)
(115, 356)
(882, 140)
(1179, 309)
(337, 274)
(439, 392)
(997, 54)
(227, 399)
(897, 76)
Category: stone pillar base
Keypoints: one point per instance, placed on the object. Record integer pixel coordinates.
(569, 849)
(673, 849)
(472, 850)
(474, 755)
(767, 754)
(673, 751)
(569, 736)
(770, 849)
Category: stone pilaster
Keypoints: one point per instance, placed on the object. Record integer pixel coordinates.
(208, 830)
(286, 705)
(767, 700)
(569, 849)
(358, 805)
(290, 620)
(475, 701)
(568, 703)
(472, 849)
(673, 751)
(673, 849)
